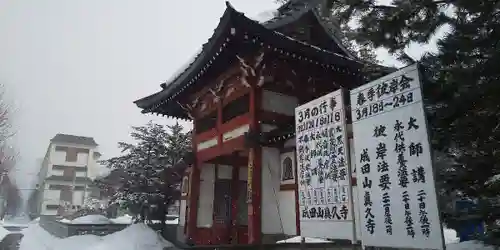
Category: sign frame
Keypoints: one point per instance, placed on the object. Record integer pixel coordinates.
(334, 229)
(356, 115)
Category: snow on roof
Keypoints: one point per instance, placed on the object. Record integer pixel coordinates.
(265, 16)
(183, 67)
(74, 139)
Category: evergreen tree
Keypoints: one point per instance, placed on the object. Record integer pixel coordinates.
(153, 169)
(462, 87)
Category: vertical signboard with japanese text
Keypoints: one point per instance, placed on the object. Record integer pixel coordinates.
(324, 176)
(395, 181)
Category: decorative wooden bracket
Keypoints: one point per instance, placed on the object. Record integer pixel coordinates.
(188, 109)
(255, 71)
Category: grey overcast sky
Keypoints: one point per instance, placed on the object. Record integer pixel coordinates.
(75, 66)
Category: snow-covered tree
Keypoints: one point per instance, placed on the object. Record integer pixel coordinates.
(153, 169)
(93, 204)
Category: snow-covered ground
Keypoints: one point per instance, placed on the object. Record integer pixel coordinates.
(297, 239)
(134, 237)
(450, 238)
(140, 236)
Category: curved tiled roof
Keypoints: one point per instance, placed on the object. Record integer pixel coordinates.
(230, 22)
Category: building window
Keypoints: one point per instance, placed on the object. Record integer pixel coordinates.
(62, 167)
(288, 168)
(52, 207)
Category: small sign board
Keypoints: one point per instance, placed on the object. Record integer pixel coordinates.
(395, 178)
(324, 176)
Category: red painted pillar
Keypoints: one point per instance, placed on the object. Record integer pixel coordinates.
(193, 193)
(254, 172)
(193, 196)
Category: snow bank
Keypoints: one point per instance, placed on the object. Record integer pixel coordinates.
(125, 219)
(137, 236)
(468, 245)
(65, 221)
(36, 238)
(80, 242)
(91, 219)
(36, 220)
(297, 239)
(450, 236)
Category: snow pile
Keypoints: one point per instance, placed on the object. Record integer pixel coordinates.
(64, 220)
(125, 219)
(81, 242)
(450, 236)
(35, 221)
(3, 232)
(36, 238)
(91, 219)
(137, 236)
(468, 245)
(297, 239)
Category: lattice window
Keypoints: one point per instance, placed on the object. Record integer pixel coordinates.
(236, 108)
(222, 201)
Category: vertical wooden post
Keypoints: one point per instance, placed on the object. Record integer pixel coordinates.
(235, 191)
(193, 192)
(193, 196)
(255, 172)
(297, 207)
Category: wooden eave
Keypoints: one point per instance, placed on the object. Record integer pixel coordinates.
(233, 28)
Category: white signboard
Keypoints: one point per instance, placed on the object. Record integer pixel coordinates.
(323, 169)
(397, 196)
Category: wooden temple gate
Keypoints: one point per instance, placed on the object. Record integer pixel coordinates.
(241, 92)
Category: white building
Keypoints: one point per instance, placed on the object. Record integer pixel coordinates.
(65, 174)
